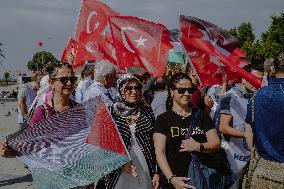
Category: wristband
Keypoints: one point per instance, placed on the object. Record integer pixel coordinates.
(170, 179)
(201, 147)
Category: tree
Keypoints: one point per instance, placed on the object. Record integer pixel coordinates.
(271, 42)
(273, 38)
(7, 76)
(253, 49)
(244, 33)
(1, 52)
(39, 60)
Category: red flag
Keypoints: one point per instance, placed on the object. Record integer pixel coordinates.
(140, 43)
(212, 51)
(93, 18)
(104, 132)
(91, 46)
(40, 43)
(69, 48)
(85, 50)
(106, 47)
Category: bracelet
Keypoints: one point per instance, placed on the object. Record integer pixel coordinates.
(201, 147)
(170, 179)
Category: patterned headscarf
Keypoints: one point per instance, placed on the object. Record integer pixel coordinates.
(122, 107)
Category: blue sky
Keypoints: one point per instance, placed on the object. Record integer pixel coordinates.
(25, 22)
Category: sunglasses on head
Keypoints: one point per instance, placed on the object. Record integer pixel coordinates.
(65, 80)
(60, 64)
(183, 90)
(130, 88)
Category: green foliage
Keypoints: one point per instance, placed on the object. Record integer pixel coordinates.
(271, 42)
(273, 38)
(39, 60)
(244, 33)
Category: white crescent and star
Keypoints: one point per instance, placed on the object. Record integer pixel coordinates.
(89, 48)
(97, 25)
(93, 13)
(123, 29)
(140, 42)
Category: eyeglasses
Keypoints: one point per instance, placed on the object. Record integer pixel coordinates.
(183, 90)
(65, 80)
(130, 88)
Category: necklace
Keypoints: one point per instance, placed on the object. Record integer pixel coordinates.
(132, 118)
(183, 116)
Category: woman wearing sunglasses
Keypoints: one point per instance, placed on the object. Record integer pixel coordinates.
(62, 83)
(181, 131)
(135, 123)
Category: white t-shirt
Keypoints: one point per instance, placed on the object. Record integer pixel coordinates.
(26, 91)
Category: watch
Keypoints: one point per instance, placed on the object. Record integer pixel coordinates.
(170, 179)
(201, 147)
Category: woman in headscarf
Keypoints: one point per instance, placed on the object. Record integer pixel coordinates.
(135, 123)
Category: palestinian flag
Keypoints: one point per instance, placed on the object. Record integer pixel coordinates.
(73, 148)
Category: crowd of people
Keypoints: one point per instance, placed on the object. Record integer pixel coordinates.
(178, 133)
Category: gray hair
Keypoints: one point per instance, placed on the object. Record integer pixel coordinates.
(268, 63)
(104, 68)
(279, 63)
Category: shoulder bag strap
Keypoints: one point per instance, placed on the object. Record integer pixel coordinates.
(45, 108)
(252, 110)
(193, 123)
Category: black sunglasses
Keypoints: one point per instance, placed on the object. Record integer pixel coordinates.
(130, 88)
(65, 80)
(183, 90)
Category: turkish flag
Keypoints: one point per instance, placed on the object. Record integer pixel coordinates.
(140, 43)
(86, 50)
(93, 18)
(212, 51)
(68, 49)
(106, 47)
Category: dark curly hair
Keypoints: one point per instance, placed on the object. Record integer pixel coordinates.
(172, 84)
